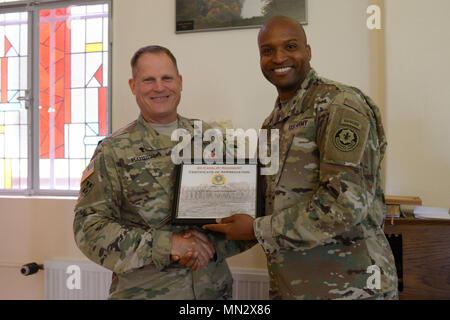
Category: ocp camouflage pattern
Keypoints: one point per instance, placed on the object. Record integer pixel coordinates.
(325, 207)
(122, 220)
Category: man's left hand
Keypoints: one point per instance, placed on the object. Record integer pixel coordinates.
(237, 227)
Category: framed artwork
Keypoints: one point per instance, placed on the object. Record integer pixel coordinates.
(210, 15)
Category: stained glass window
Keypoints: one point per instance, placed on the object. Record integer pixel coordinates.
(73, 91)
(71, 109)
(13, 114)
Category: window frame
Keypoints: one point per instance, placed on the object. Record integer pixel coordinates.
(33, 9)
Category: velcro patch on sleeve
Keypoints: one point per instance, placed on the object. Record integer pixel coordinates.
(346, 136)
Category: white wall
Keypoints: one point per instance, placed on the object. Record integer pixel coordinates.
(221, 74)
(418, 100)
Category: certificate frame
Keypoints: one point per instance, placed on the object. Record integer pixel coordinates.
(194, 205)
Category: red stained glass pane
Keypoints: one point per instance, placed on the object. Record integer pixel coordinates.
(62, 136)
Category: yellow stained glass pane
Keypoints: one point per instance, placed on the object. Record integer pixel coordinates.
(94, 47)
(2, 129)
(8, 173)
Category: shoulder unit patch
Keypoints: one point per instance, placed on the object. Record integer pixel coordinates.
(346, 139)
(346, 136)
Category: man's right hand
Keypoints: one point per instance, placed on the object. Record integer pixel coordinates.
(192, 249)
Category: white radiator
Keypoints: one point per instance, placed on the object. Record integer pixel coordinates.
(63, 281)
(250, 284)
(60, 280)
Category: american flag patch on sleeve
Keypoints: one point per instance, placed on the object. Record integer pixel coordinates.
(88, 171)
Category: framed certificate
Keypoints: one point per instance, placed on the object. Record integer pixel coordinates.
(205, 192)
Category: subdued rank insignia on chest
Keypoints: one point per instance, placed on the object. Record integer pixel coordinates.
(88, 171)
(346, 139)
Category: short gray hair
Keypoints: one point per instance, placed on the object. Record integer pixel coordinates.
(151, 49)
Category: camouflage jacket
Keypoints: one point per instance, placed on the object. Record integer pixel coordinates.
(325, 206)
(122, 220)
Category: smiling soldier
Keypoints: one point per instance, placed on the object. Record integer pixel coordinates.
(325, 206)
(122, 217)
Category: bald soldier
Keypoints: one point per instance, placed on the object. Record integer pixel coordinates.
(122, 217)
(324, 209)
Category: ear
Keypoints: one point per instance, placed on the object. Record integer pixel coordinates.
(308, 51)
(131, 83)
(181, 82)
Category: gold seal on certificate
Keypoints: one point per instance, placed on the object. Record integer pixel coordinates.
(205, 192)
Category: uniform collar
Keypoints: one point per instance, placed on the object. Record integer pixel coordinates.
(295, 104)
(152, 140)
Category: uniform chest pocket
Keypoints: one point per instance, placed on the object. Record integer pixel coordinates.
(149, 175)
(149, 187)
(299, 140)
(301, 164)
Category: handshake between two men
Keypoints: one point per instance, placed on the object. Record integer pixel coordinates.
(193, 249)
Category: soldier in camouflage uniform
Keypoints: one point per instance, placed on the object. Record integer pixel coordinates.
(325, 206)
(122, 217)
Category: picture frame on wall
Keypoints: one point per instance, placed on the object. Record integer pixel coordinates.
(214, 15)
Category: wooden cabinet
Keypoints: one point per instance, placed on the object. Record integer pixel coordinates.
(422, 252)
